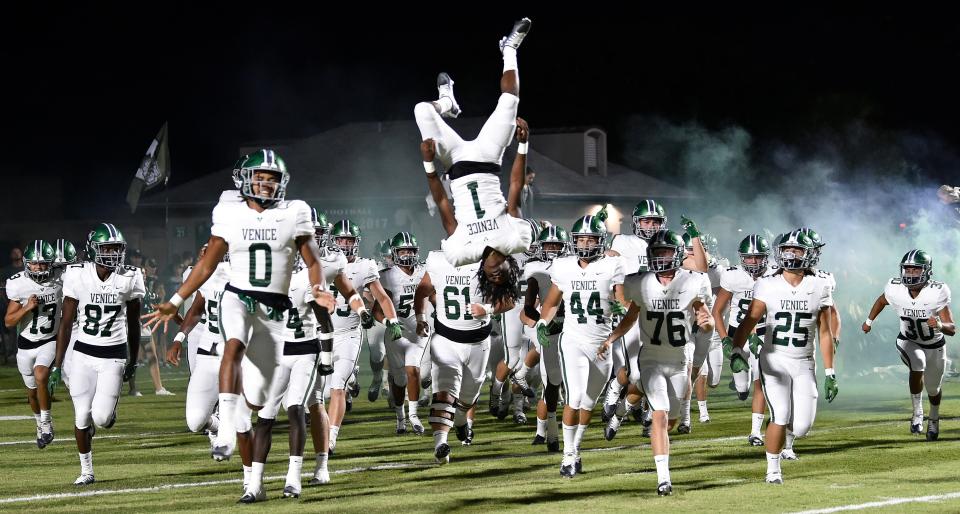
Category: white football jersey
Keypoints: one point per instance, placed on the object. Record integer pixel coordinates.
(667, 315)
(102, 305)
(587, 293)
(188, 302)
(740, 285)
(262, 244)
(456, 289)
(360, 273)
(829, 277)
(914, 312)
(401, 288)
(634, 251)
(715, 274)
(44, 321)
(301, 322)
(791, 317)
(333, 263)
(477, 196)
(212, 291)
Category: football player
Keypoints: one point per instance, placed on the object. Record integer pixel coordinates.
(485, 228)
(733, 303)
(35, 295)
(349, 323)
(923, 306)
(406, 352)
(797, 303)
(105, 295)
(262, 231)
(668, 301)
(590, 284)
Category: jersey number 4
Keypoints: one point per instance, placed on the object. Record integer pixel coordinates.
(593, 307)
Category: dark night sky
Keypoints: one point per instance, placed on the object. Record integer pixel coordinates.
(87, 90)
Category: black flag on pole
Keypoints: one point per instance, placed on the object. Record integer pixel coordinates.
(154, 169)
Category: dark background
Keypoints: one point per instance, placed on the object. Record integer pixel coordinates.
(86, 90)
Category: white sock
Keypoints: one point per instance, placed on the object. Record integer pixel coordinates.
(552, 426)
(37, 417)
(247, 471)
(541, 427)
(322, 461)
(439, 437)
(86, 463)
(581, 429)
(686, 412)
(522, 372)
(569, 439)
(469, 423)
(663, 468)
(256, 477)
(228, 409)
(497, 387)
(213, 423)
(628, 407)
(509, 58)
(400, 414)
(334, 432)
(293, 471)
(788, 445)
(756, 421)
(917, 404)
(934, 411)
(773, 463)
(702, 407)
(412, 408)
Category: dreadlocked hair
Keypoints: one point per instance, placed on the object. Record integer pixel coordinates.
(497, 294)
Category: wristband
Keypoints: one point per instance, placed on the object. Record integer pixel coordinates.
(487, 308)
(393, 321)
(179, 337)
(355, 297)
(422, 317)
(176, 300)
(522, 148)
(939, 324)
(429, 167)
(868, 322)
(830, 372)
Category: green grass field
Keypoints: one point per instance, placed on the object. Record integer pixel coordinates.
(860, 451)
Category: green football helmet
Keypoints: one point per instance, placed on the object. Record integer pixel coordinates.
(552, 243)
(106, 246)
(345, 229)
(321, 227)
(535, 228)
(754, 245)
(665, 239)
(404, 241)
(264, 160)
(818, 243)
(65, 252)
(790, 259)
(383, 249)
(237, 181)
(916, 259)
(38, 259)
(648, 209)
(589, 226)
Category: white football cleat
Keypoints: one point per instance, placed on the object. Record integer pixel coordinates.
(613, 426)
(401, 426)
(415, 424)
(788, 454)
(84, 479)
(665, 489)
(320, 477)
(445, 89)
(755, 440)
(704, 418)
(774, 478)
(223, 449)
(163, 392)
(916, 424)
(253, 496)
(520, 30)
(442, 454)
(933, 429)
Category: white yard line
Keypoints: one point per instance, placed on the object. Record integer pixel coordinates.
(167, 487)
(884, 503)
(15, 418)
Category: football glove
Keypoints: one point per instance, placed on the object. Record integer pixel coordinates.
(54, 380)
(129, 370)
(394, 330)
(366, 319)
(690, 227)
(755, 344)
(738, 364)
(727, 343)
(617, 308)
(830, 386)
(543, 333)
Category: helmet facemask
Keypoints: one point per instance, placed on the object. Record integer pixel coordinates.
(550, 250)
(915, 279)
(792, 257)
(408, 258)
(588, 252)
(109, 254)
(39, 270)
(263, 191)
(348, 245)
(755, 270)
(647, 233)
(664, 263)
